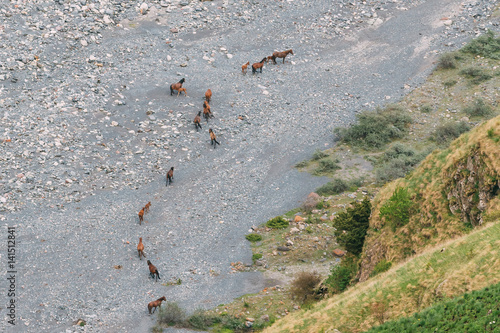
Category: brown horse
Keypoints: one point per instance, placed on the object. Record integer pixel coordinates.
(146, 208)
(244, 67)
(153, 305)
(258, 65)
(197, 121)
(281, 55)
(141, 216)
(269, 58)
(153, 271)
(213, 138)
(208, 95)
(176, 86)
(140, 249)
(207, 113)
(184, 90)
(170, 176)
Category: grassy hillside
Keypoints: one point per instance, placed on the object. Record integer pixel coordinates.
(477, 311)
(470, 262)
(451, 191)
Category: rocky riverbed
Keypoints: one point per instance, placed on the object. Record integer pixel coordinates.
(88, 130)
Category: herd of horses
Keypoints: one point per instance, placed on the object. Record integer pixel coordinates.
(207, 114)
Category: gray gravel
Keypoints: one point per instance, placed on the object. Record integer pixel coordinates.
(88, 130)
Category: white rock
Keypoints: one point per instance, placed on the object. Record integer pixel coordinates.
(84, 42)
(229, 56)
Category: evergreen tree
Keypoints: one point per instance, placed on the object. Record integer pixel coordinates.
(352, 226)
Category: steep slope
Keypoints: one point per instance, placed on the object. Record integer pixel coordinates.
(470, 262)
(452, 191)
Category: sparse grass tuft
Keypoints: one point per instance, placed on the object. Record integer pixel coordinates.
(381, 267)
(426, 108)
(318, 154)
(475, 74)
(447, 61)
(253, 237)
(449, 131)
(277, 223)
(171, 314)
(336, 186)
(478, 108)
(326, 165)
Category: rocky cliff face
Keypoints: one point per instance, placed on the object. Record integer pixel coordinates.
(452, 189)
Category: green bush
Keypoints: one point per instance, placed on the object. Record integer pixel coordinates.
(171, 314)
(447, 61)
(336, 186)
(326, 165)
(449, 83)
(477, 311)
(478, 108)
(256, 256)
(277, 223)
(476, 74)
(202, 320)
(397, 161)
(318, 154)
(448, 132)
(302, 164)
(304, 285)
(486, 46)
(374, 129)
(398, 209)
(253, 237)
(382, 266)
(342, 275)
(426, 108)
(351, 226)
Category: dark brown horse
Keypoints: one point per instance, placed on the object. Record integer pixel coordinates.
(153, 305)
(176, 86)
(281, 55)
(153, 271)
(213, 138)
(258, 65)
(197, 121)
(170, 176)
(208, 95)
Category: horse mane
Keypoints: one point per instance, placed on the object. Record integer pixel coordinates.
(263, 60)
(182, 80)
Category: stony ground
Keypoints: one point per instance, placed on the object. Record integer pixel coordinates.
(88, 130)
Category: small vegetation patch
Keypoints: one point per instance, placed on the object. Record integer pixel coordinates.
(352, 225)
(256, 256)
(253, 237)
(486, 46)
(318, 154)
(325, 166)
(447, 61)
(448, 132)
(477, 311)
(478, 108)
(475, 74)
(304, 285)
(342, 275)
(382, 266)
(398, 209)
(277, 223)
(171, 314)
(374, 129)
(336, 186)
(426, 108)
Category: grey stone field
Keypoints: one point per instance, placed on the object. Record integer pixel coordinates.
(88, 130)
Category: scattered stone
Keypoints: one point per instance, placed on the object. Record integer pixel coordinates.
(338, 253)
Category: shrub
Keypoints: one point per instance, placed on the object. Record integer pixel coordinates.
(256, 256)
(477, 75)
(304, 285)
(336, 186)
(312, 200)
(202, 320)
(398, 209)
(326, 165)
(277, 223)
(352, 225)
(302, 164)
(449, 131)
(318, 154)
(449, 83)
(447, 61)
(253, 237)
(341, 275)
(426, 108)
(486, 46)
(478, 108)
(382, 266)
(171, 314)
(397, 161)
(374, 129)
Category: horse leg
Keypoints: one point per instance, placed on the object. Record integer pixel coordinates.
(171, 91)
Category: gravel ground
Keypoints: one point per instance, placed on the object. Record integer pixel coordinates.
(88, 130)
